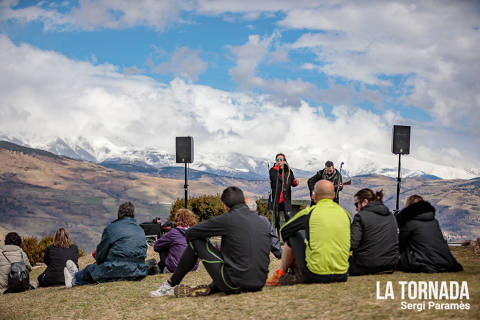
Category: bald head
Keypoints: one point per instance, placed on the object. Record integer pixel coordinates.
(324, 190)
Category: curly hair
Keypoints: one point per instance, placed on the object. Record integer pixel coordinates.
(184, 218)
(62, 239)
(13, 238)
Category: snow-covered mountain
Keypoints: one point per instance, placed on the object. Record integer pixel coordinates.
(238, 165)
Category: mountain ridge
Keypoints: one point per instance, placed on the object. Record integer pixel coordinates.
(40, 191)
(238, 165)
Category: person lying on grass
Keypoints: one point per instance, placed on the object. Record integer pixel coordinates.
(317, 242)
(240, 265)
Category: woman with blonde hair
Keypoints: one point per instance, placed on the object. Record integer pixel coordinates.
(171, 245)
(56, 257)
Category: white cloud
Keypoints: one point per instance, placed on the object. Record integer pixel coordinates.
(99, 14)
(437, 45)
(184, 62)
(46, 95)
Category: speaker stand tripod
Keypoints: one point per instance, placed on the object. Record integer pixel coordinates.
(185, 186)
(398, 185)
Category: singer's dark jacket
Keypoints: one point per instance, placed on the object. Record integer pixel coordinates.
(278, 187)
(422, 246)
(245, 246)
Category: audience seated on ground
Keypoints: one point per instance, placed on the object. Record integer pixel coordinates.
(421, 243)
(276, 247)
(56, 257)
(120, 254)
(240, 265)
(10, 253)
(317, 242)
(374, 238)
(171, 245)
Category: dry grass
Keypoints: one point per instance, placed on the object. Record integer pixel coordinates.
(129, 300)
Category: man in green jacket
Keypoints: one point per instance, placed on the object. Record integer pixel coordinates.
(317, 242)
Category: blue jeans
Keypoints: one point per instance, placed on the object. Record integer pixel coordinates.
(83, 277)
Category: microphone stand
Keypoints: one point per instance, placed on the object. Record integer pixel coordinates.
(338, 186)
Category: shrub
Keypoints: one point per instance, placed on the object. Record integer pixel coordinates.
(30, 246)
(35, 250)
(206, 207)
(43, 244)
(262, 209)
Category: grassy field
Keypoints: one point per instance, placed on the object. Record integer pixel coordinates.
(355, 299)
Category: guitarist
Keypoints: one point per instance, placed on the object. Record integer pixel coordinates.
(331, 174)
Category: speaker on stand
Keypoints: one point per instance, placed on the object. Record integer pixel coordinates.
(400, 145)
(184, 154)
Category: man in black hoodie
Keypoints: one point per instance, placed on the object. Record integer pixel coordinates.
(373, 236)
(422, 246)
(242, 262)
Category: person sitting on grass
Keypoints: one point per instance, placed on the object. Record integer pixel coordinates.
(240, 265)
(10, 253)
(276, 247)
(120, 254)
(421, 243)
(374, 238)
(317, 242)
(56, 257)
(171, 245)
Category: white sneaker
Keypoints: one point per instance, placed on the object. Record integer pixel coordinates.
(71, 266)
(69, 273)
(165, 290)
(68, 278)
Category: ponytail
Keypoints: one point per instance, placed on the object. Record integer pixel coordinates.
(370, 195)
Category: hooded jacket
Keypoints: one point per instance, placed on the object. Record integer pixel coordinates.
(245, 246)
(121, 253)
(175, 242)
(422, 246)
(373, 237)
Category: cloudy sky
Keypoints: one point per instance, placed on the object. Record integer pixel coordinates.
(314, 79)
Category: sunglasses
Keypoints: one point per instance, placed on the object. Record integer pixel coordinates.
(356, 204)
(279, 159)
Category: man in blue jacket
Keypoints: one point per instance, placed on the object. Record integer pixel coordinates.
(240, 265)
(120, 255)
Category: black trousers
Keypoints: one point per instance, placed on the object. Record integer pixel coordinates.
(358, 270)
(163, 254)
(276, 216)
(297, 243)
(213, 262)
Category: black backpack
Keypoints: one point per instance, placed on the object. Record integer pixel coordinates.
(18, 277)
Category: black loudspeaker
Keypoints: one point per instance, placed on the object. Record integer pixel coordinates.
(184, 148)
(401, 140)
